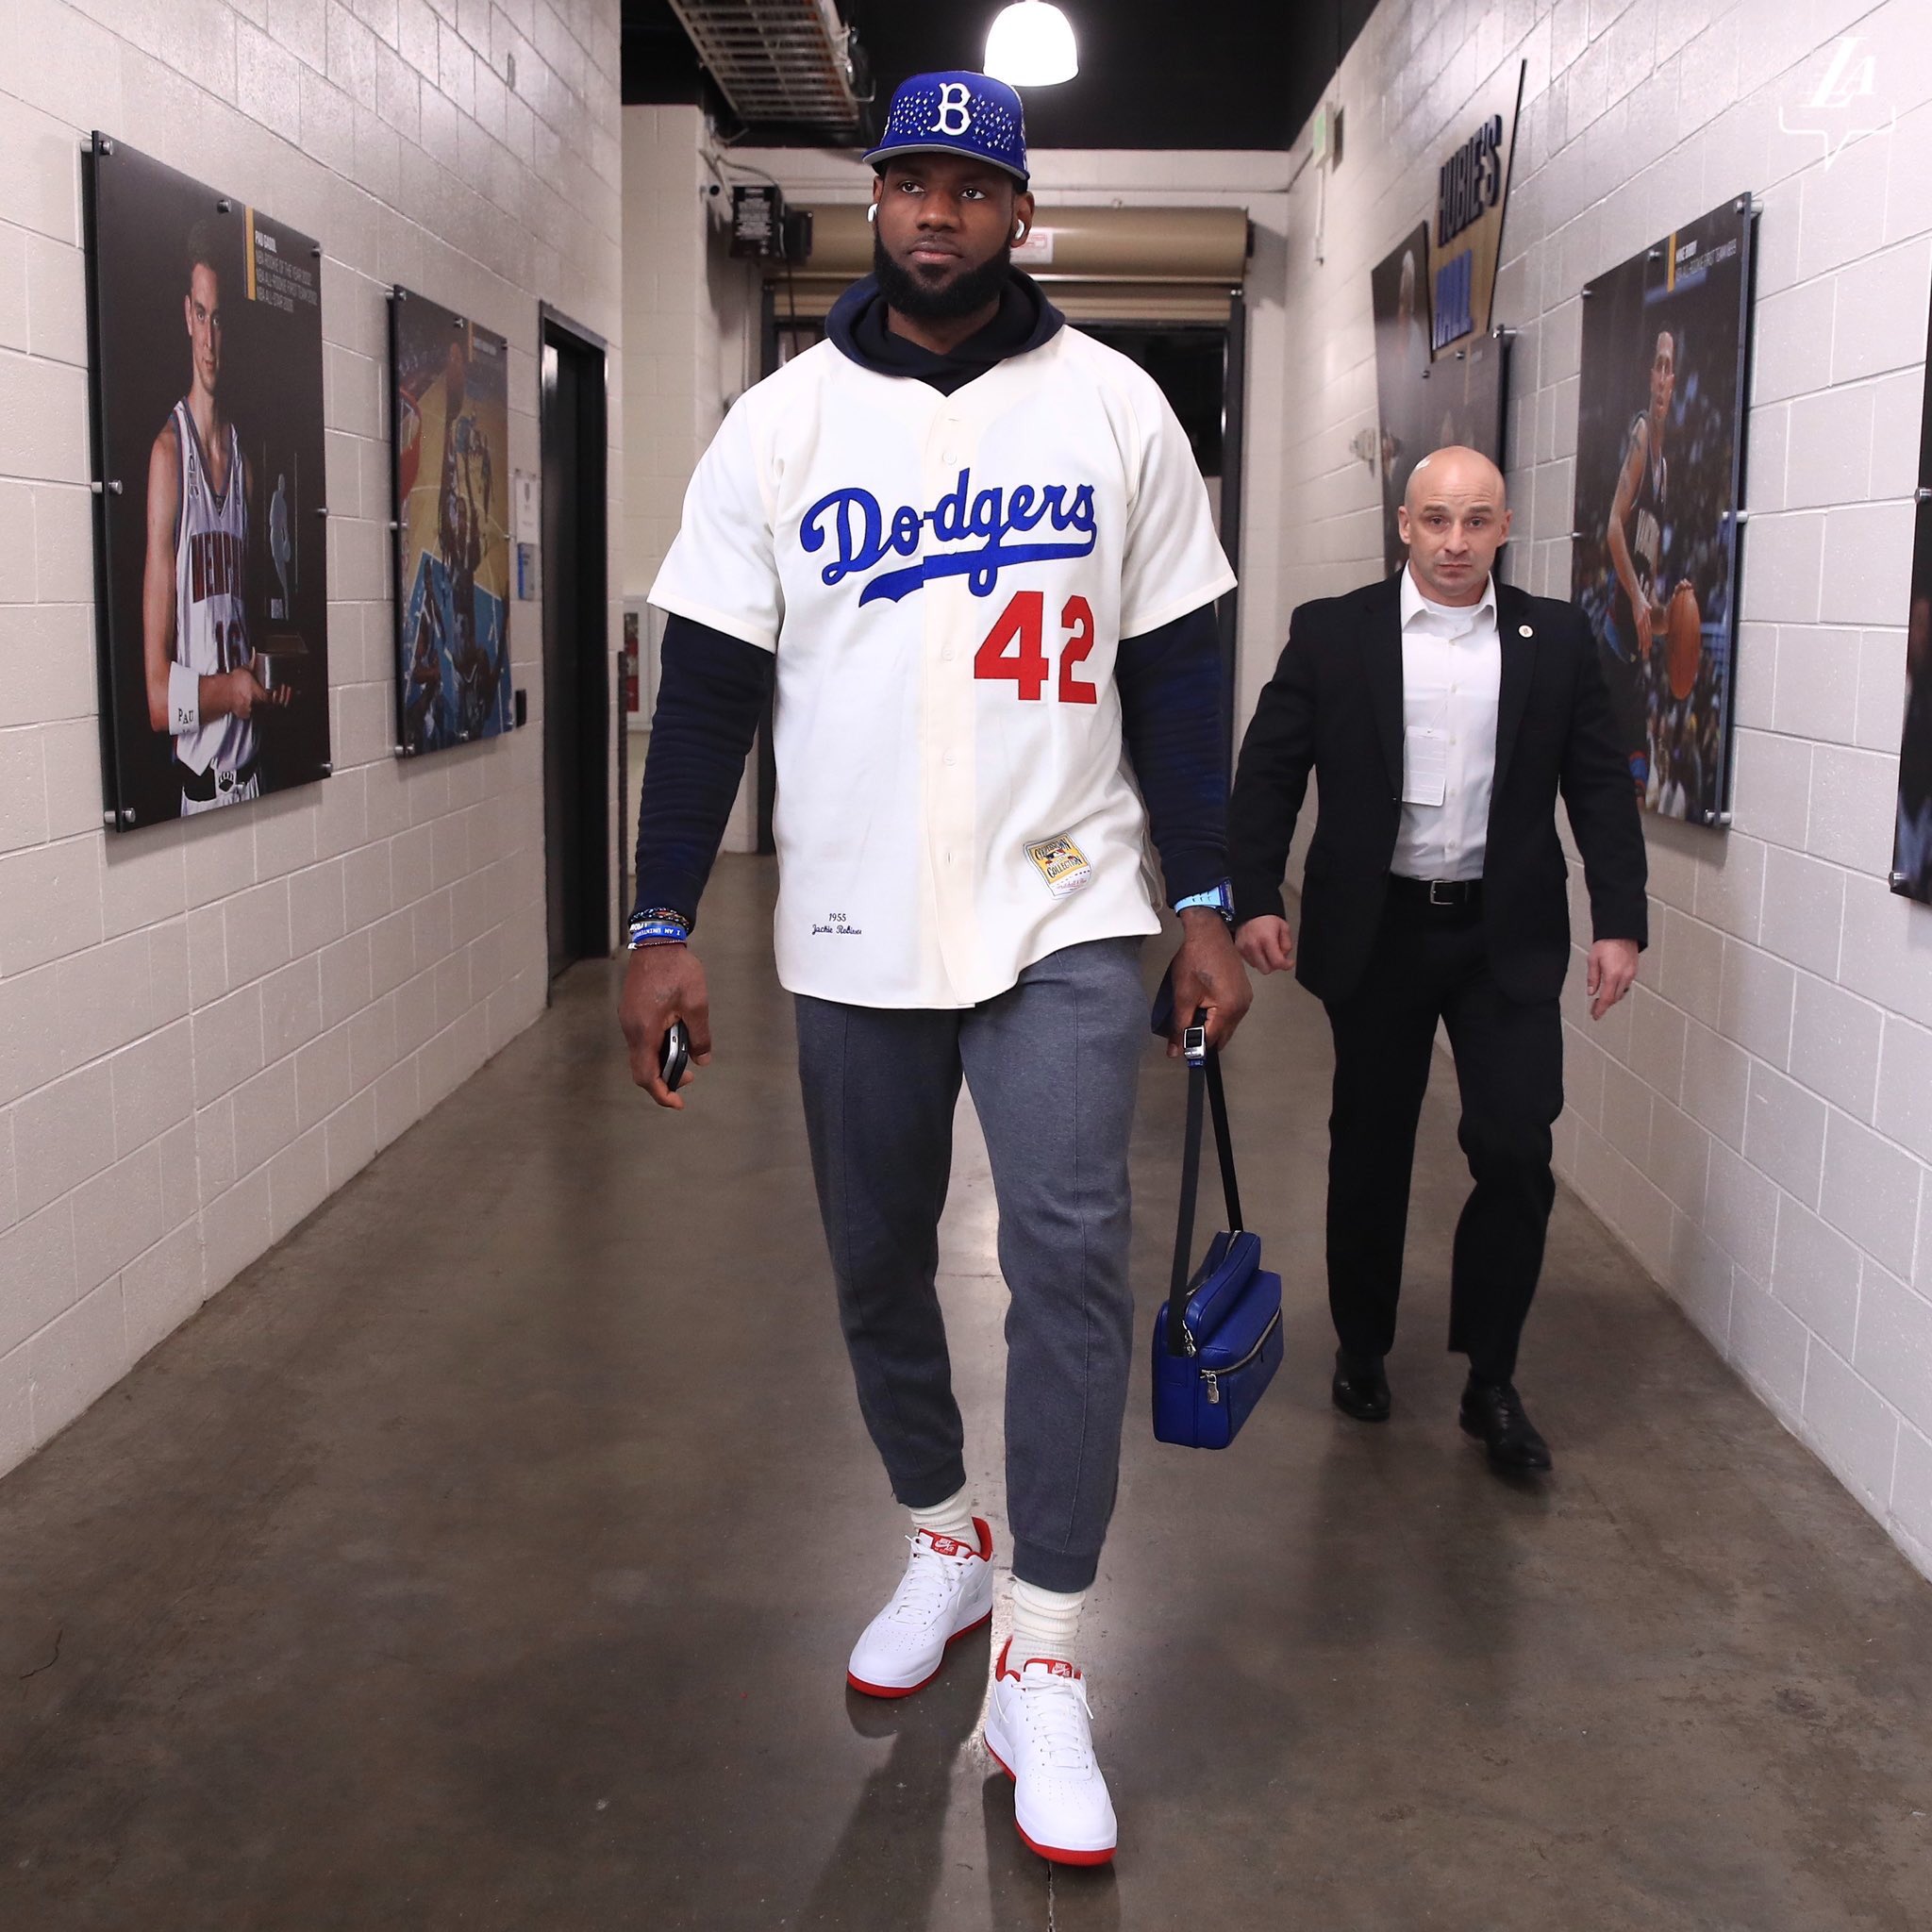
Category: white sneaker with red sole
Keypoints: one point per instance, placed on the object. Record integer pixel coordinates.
(1038, 1729)
(945, 1592)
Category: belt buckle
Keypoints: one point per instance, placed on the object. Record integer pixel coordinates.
(1437, 887)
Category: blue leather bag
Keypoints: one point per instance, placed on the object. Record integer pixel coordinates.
(1217, 1340)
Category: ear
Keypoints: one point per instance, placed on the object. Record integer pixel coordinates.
(1401, 520)
(1022, 215)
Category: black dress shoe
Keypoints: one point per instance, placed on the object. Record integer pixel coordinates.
(1360, 1389)
(1493, 1413)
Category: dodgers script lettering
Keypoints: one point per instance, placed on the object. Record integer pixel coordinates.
(862, 536)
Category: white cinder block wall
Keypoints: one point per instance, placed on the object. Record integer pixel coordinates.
(690, 321)
(1757, 1121)
(206, 1027)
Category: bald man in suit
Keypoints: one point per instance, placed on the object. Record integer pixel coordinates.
(1442, 713)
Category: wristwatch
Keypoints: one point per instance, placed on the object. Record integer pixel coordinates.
(1219, 898)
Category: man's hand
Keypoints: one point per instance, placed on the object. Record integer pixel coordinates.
(662, 984)
(1646, 628)
(1613, 972)
(245, 692)
(1266, 943)
(1207, 972)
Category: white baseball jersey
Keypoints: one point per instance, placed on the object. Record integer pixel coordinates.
(945, 580)
(210, 559)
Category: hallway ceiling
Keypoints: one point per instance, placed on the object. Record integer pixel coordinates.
(1223, 74)
(777, 60)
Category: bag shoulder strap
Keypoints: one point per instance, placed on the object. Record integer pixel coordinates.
(1204, 1080)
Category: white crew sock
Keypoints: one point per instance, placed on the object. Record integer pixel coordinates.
(1045, 1623)
(954, 1518)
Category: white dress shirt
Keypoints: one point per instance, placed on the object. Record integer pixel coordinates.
(1452, 667)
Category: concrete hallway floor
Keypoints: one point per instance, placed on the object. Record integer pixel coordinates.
(488, 1555)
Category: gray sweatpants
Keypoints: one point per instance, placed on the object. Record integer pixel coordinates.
(1052, 1067)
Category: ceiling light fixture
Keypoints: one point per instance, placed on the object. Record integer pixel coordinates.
(1031, 44)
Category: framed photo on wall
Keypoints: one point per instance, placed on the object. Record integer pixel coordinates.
(1399, 301)
(211, 599)
(1659, 483)
(450, 429)
(1911, 846)
(1425, 401)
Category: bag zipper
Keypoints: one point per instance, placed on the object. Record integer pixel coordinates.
(1212, 1376)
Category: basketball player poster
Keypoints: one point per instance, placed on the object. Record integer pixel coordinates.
(1911, 851)
(210, 542)
(1660, 481)
(1426, 401)
(451, 418)
(1399, 297)
(1441, 371)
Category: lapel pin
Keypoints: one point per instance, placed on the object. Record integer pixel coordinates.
(1523, 630)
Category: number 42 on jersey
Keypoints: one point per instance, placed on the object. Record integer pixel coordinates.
(1015, 649)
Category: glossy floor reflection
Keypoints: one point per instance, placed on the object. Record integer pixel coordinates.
(488, 1557)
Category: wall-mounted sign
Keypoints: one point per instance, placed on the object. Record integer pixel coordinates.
(1660, 481)
(1466, 229)
(1442, 375)
(1424, 402)
(450, 408)
(526, 495)
(207, 389)
(1911, 850)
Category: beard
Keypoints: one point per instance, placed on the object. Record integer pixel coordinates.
(970, 290)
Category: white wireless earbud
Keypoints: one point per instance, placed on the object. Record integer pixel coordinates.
(872, 211)
(1019, 231)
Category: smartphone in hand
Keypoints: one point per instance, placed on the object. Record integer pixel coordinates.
(676, 1055)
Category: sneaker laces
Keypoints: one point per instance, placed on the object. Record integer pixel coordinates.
(929, 1579)
(1058, 1715)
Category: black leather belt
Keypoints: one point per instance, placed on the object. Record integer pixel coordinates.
(205, 787)
(1436, 892)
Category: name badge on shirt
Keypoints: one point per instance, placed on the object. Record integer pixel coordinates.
(1062, 865)
(1424, 765)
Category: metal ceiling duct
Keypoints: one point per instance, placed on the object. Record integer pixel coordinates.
(776, 60)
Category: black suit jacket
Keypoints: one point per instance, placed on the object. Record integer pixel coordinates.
(1334, 707)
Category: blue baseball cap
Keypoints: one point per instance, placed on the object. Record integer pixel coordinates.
(958, 114)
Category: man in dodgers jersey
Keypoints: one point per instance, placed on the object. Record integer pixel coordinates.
(971, 548)
(202, 689)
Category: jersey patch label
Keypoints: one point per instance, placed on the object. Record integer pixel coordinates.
(1062, 865)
